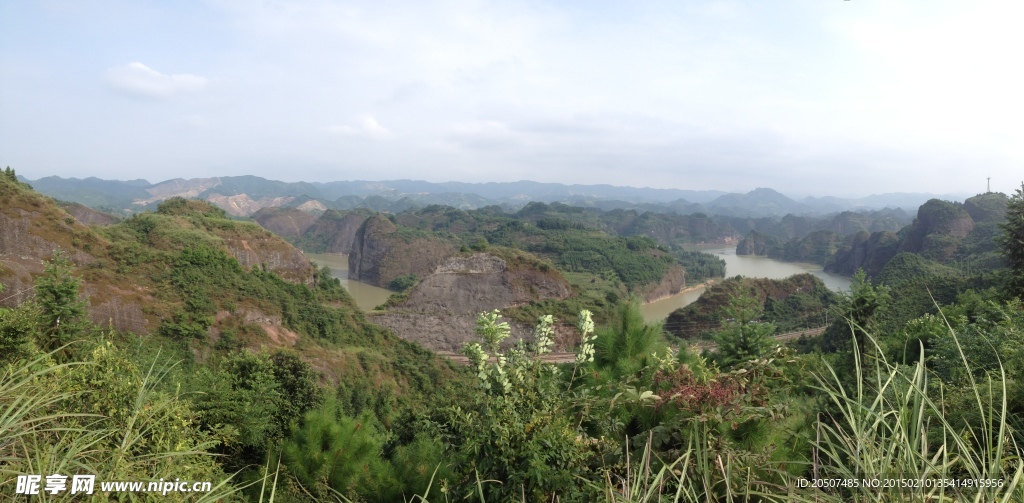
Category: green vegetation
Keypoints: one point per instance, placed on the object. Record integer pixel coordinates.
(800, 301)
(896, 389)
(700, 266)
(743, 337)
(1012, 240)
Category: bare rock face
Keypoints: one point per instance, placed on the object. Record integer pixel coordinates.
(481, 282)
(864, 251)
(938, 230)
(120, 314)
(312, 207)
(441, 310)
(273, 254)
(334, 232)
(178, 187)
(380, 255)
(441, 332)
(89, 216)
(31, 229)
(672, 283)
(242, 205)
(16, 276)
(344, 236)
(16, 237)
(285, 222)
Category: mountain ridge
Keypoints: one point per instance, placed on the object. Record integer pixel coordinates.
(244, 195)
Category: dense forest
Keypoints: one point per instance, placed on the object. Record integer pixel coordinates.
(912, 393)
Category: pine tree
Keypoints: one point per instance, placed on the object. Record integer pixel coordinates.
(1012, 241)
(62, 317)
(743, 337)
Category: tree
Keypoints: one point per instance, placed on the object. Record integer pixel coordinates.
(743, 337)
(331, 452)
(854, 331)
(626, 345)
(62, 312)
(1012, 241)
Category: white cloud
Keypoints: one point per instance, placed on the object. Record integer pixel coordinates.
(138, 79)
(368, 126)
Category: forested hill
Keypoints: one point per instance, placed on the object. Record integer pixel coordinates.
(188, 275)
(960, 235)
(265, 381)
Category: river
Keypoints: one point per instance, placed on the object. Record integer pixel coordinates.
(368, 296)
(743, 265)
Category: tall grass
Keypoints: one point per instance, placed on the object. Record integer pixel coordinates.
(894, 426)
(891, 425)
(40, 435)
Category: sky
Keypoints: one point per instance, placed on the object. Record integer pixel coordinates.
(809, 97)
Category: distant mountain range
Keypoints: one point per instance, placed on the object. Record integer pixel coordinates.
(244, 195)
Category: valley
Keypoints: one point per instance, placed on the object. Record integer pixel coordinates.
(434, 251)
(435, 311)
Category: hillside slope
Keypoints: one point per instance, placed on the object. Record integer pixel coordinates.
(190, 276)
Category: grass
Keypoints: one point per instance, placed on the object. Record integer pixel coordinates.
(891, 427)
(41, 435)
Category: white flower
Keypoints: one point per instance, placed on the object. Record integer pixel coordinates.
(586, 325)
(543, 334)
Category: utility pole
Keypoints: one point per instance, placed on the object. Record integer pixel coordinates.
(988, 189)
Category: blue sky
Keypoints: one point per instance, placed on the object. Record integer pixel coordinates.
(822, 97)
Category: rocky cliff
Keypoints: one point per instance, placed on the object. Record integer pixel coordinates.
(272, 254)
(334, 232)
(118, 279)
(89, 216)
(242, 205)
(758, 243)
(32, 227)
(469, 284)
(937, 231)
(440, 312)
(989, 207)
(864, 251)
(289, 223)
(672, 283)
(380, 253)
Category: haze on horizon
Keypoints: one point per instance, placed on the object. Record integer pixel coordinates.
(819, 97)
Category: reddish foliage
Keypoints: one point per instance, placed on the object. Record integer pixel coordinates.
(728, 391)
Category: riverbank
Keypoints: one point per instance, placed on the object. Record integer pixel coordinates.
(699, 286)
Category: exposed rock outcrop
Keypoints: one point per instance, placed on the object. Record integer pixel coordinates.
(178, 187)
(990, 207)
(242, 205)
(482, 282)
(441, 310)
(312, 207)
(672, 283)
(334, 232)
(89, 216)
(379, 254)
(864, 251)
(938, 230)
(273, 254)
(757, 243)
(285, 222)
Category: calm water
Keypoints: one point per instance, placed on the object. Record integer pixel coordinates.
(366, 296)
(749, 266)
